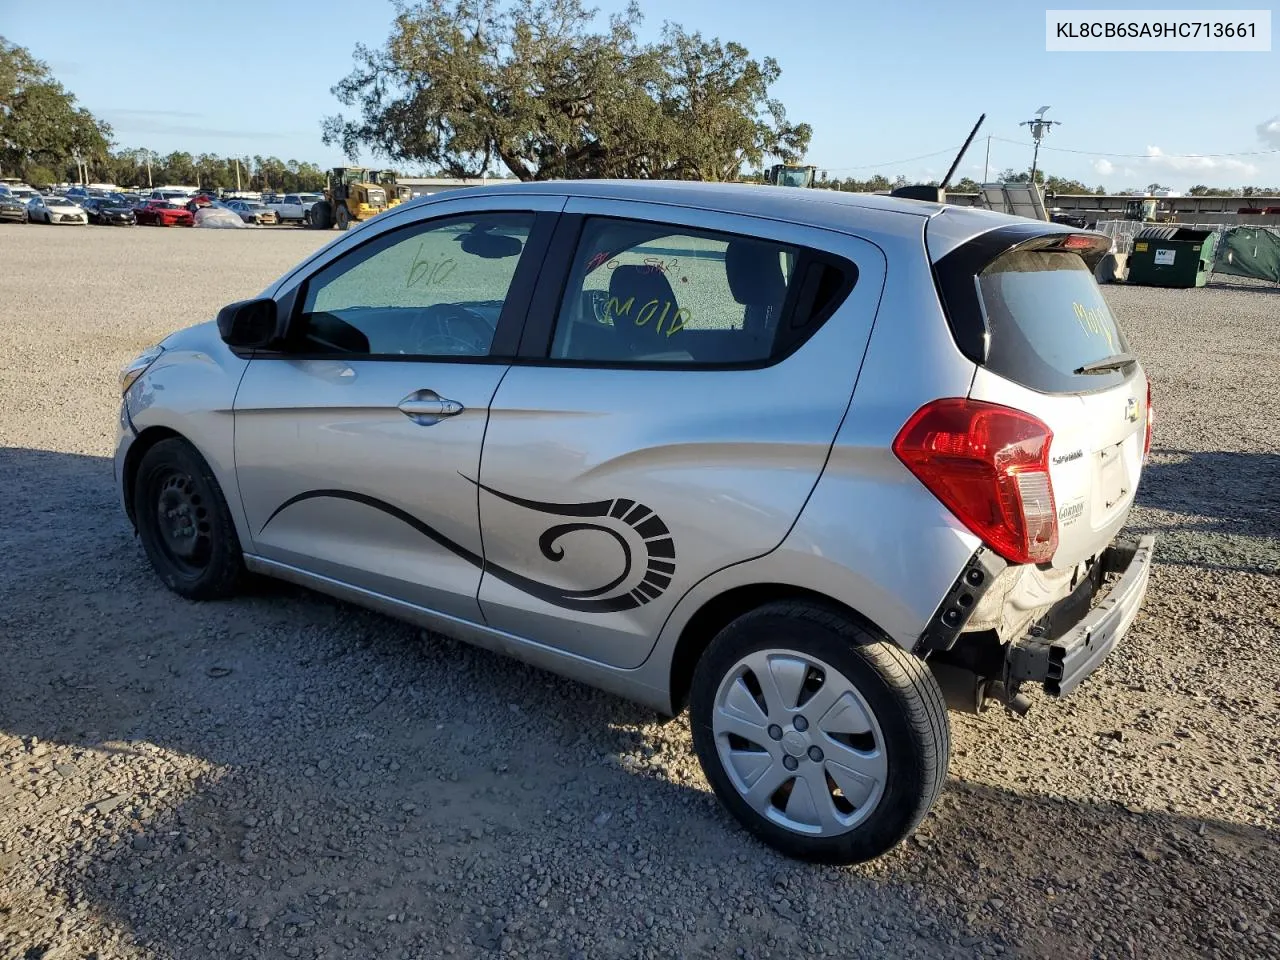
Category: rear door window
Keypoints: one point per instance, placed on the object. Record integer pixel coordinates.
(649, 294)
(1047, 318)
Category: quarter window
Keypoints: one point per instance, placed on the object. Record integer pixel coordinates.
(652, 294)
(433, 291)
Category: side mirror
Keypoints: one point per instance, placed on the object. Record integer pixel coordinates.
(248, 324)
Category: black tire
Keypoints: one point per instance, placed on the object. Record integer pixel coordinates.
(306, 218)
(897, 687)
(343, 218)
(172, 475)
(321, 215)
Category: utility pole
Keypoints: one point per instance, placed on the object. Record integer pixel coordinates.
(986, 165)
(1039, 127)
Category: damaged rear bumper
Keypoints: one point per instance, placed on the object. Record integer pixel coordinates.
(1061, 662)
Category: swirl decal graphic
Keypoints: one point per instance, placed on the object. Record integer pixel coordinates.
(658, 562)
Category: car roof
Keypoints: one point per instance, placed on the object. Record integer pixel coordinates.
(832, 209)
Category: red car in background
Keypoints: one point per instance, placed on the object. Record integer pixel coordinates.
(162, 213)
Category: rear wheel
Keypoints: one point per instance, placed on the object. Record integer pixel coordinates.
(344, 217)
(184, 522)
(826, 741)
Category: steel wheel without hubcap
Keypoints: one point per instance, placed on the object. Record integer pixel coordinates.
(799, 742)
(183, 523)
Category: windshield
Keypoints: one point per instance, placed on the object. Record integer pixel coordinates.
(1047, 319)
(793, 178)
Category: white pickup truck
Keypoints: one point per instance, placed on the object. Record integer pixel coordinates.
(295, 206)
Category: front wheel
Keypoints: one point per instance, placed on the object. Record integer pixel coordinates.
(184, 522)
(321, 215)
(826, 741)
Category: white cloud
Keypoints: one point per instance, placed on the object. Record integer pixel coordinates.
(1196, 163)
(1269, 131)
(1104, 167)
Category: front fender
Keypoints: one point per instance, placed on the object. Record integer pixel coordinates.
(191, 390)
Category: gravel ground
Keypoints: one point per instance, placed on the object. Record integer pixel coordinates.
(285, 775)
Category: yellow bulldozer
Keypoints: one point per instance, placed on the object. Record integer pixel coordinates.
(351, 194)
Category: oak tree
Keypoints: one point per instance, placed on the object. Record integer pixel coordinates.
(542, 89)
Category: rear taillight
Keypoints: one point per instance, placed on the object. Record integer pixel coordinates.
(1151, 423)
(989, 465)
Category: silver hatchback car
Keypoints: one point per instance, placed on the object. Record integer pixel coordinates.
(814, 465)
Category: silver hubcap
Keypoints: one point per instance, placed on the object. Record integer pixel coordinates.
(799, 742)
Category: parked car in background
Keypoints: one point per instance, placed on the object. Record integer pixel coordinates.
(164, 213)
(56, 209)
(253, 212)
(174, 195)
(295, 206)
(110, 211)
(12, 208)
(16, 188)
(928, 510)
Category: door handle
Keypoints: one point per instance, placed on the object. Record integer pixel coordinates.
(426, 407)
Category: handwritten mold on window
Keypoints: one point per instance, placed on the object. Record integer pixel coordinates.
(1095, 321)
(648, 312)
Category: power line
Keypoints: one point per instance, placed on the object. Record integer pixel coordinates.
(1142, 156)
(889, 163)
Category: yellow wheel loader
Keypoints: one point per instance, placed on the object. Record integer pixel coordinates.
(351, 194)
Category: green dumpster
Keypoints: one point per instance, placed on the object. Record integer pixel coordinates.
(1171, 256)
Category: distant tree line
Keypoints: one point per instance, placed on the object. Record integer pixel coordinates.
(142, 167)
(1048, 182)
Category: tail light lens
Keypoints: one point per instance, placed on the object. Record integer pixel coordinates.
(1151, 423)
(989, 465)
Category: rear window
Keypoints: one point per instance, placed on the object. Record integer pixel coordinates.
(1047, 318)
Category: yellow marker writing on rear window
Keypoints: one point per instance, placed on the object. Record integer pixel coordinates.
(1095, 321)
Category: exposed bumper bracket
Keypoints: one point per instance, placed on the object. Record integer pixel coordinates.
(960, 602)
(1062, 662)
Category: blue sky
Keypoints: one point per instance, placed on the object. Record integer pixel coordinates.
(879, 82)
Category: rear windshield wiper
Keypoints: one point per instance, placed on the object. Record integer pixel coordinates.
(1107, 364)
